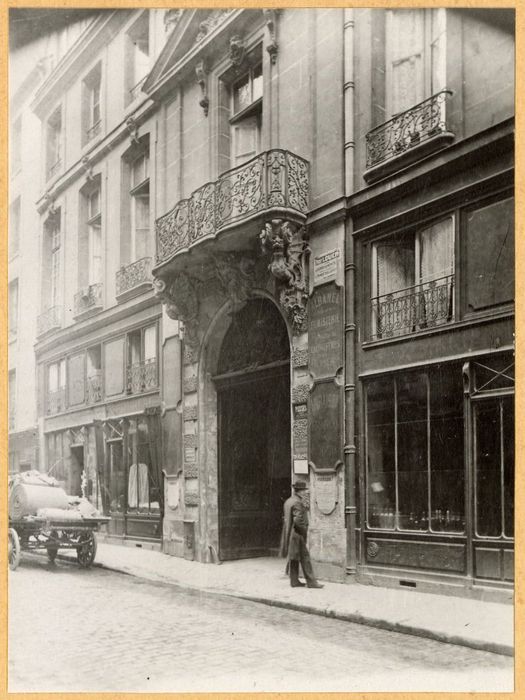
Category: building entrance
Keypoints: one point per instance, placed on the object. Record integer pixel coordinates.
(253, 386)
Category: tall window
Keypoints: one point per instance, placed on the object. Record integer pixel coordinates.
(413, 279)
(13, 307)
(91, 107)
(51, 261)
(94, 237)
(414, 454)
(12, 399)
(415, 57)
(138, 56)
(16, 146)
(56, 387)
(140, 206)
(14, 227)
(142, 370)
(54, 143)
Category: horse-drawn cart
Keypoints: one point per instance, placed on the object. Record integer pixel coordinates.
(43, 517)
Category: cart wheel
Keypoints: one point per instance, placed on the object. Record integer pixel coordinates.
(52, 554)
(86, 552)
(13, 549)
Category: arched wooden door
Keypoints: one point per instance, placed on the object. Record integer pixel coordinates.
(253, 386)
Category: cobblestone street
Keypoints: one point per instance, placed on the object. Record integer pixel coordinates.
(73, 630)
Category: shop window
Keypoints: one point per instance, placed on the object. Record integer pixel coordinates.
(494, 467)
(142, 366)
(413, 280)
(14, 227)
(91, 107)
(415, 57)
(55, 457)
(414, 456)
(13, 308)
(117, 477)
(56, 387)
(143, 486)
(489, 254)
(54, 143)
(137, 56)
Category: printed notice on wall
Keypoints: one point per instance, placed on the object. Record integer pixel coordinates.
(325, 331)
(325, 266)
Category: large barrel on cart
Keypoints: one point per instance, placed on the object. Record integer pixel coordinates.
(43, 516)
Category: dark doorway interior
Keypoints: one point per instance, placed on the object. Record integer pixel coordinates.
(77, 467)
(254, 432)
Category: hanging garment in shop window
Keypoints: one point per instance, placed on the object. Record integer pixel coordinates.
(138, 486)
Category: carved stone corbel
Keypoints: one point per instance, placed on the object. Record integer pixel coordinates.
(88, 168)
(182, 304)
(172, 18)
(235, 274)
(284, 241)
(202, 79)
(50, 205)
(237, 51)
(270, 15)
(133, 130)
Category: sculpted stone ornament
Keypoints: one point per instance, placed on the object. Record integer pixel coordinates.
(237, 51)
(202, 80)
(285, 242)
(235, 274)
(270, 15)
(182, 304)
(133, 130)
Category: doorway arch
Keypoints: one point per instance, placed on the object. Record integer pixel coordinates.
(252, 382)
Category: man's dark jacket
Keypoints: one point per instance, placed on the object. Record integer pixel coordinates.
(295, 528)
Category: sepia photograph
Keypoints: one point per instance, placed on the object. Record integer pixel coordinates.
(261, 349)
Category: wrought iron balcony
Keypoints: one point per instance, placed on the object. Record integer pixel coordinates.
(142, 376)
(88, 299)
(49, 320)
(94, 388)
(274, 182)
(56, 401)
(133, 278)
(413, 309)
(409, 130)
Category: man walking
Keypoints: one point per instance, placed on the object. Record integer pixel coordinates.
(294, 534)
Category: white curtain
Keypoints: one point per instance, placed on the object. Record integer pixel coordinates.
(395, 267)
(138, 486)
(437, 251)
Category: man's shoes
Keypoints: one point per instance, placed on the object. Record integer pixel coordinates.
(297, 584)
(315, 585)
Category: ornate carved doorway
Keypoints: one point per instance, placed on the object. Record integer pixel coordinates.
(253, 386)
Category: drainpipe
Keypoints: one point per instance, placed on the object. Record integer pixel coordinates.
(350, 327)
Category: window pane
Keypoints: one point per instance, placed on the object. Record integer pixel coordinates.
(150, 343)
(381, 498)
(488, 468)
(406, 36)
(114, 367)
(95, 240)
(76, 380)
(117, 477)
(134, 348)
(257, 86)
(245, 139)
(437, 251)
(489, 249)
(508, 464)
(241, 94)
(447, 466)
(395, 264)
(52, 377)
(412, 443)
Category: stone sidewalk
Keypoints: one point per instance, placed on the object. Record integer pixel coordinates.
(455, 620)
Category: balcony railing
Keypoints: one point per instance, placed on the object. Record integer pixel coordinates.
(133, 276)
(56, 401)
(49, 320)
(142, 376)
(88, 299)
(94, 388)
(274, 179)
(413, 309)
(94, 130)
(407, 130)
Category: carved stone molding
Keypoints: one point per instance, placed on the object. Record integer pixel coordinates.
(270, 15)
(237, 51)
(213, 20)
(133, 130)
(182, 304)
(172, 18)
(190, 413)
(191, 471)
(300, 393)
(190, 385)
(202, 79)
(191, 499)
(235, 276)
(88, 168)
(300, 357)
(284, 241)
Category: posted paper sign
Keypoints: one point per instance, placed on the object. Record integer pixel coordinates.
(325, 266)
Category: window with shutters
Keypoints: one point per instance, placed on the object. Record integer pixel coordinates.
(56, 387)
(139, 194)
(91, 106)
(51, 277)
(137, 57)
(415, 57)
(94, 237)
(54, 143)
(413, 280)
